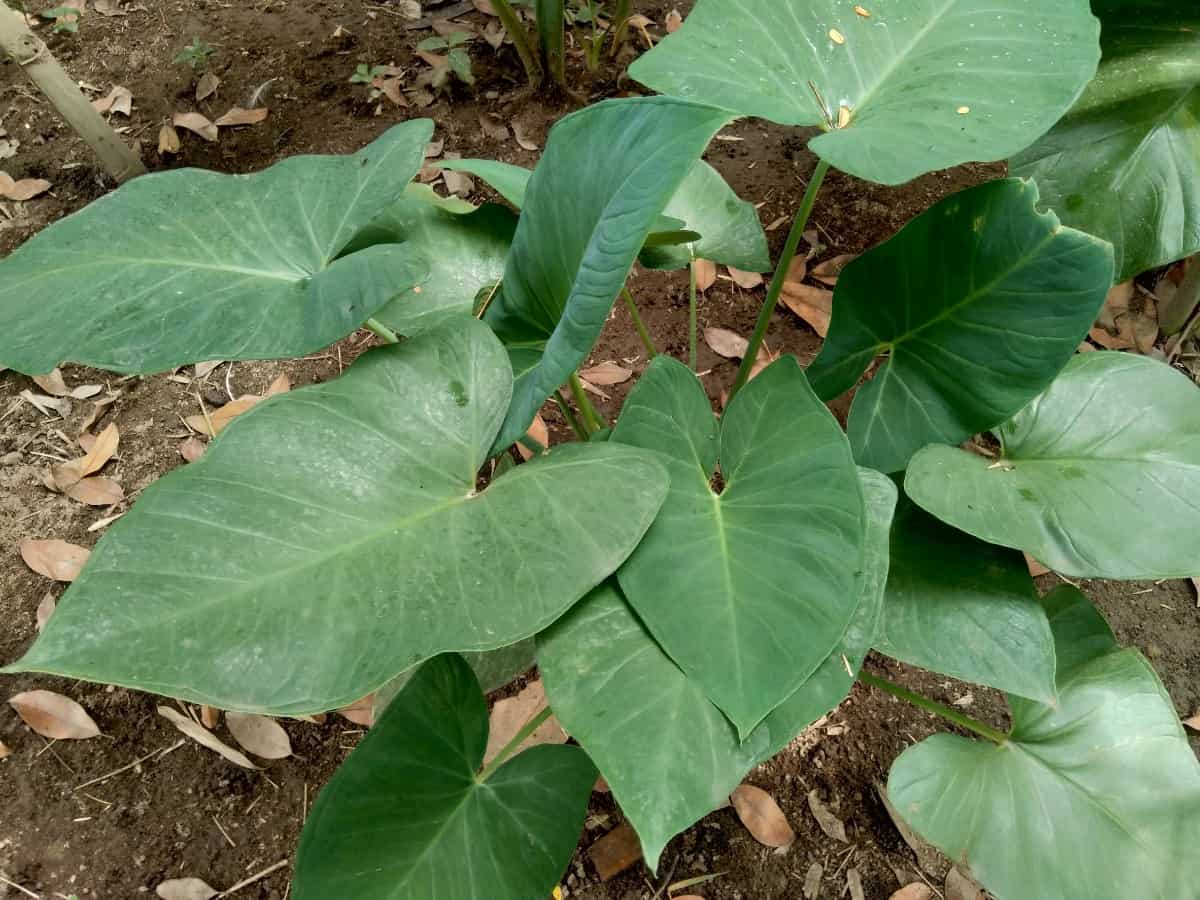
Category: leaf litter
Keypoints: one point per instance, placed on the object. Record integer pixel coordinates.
(203, 736)
(762, 816)
(260, 735)
(185, 889)
(54, 716)
(510, 715)
(54, 558)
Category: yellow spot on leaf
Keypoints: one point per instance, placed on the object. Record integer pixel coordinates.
(836, 36)
(843, 116)
(963, 110)
(862, 12)
(557, 895)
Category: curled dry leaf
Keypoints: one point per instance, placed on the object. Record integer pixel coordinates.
(185, 889)
(484, 6)
(830, 824)
(706, 274)
(813, 305)
(54, 716)
(762, 816)
(962, 887)
(915, 891)
(360, 712)
(191, 449)
(99, 452)
(493, 127)
(607, 373)
(512, 714)
(521, 133)
(202, 735)
(46, 405)
(168, 140)
(238, 116)
(745, 280)
(207, 86)
(52, 383)
(458, 182)
(45, 610)
(25, 189)
(201, 369)
(54, 558)
(217, 421)
(260, 735)
(674, 21)
(197, 124)
(97, 491)
(829, 271)
(210, 716)
(540, 432)
(104, 523)
(1128, 321)
(726, 343)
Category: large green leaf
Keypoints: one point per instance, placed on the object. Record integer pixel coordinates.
(964, 608)
(466, 254)
(406, 817)
(925, 84)
(668, 754)
(189, 265)
(1097, 796)
(332, 537)
(605, 177)
(763, 574)
(983, 302)
(1098, 477)
(1124, 163)
(509, 181)
(493, 668)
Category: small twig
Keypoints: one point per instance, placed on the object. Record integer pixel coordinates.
(253, 878)
(125, 768)
(224, 833)
(26, 891)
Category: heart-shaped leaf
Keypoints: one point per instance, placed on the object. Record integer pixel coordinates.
(190, 265)
(961, 607)
(763, 573)
(1097, 477)
(668, 754)
(339, 525)
(987, 300)
(406, 818)
(1097, 796)
(906, 89)
(1124, 163)
(605, 177)
(493, 668)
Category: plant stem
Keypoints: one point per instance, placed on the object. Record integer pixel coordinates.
(591, 419)
(382, 331)
(781, 271)
(620, 25)
(551, 25)
(512, 25)
(530, 727)
(580, 431)
(692, 314)
(647, 341)
(951, 715)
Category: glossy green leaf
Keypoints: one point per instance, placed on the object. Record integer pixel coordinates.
(668, 754)
(509, 181)
(1098, 477)
(985, 301)
(333, 537)
(189, 265)
(1097, 797)
(763, 574)
(493, 668)
(405, 818)
(1124, 163)
(925, 84)
(466, 254)
(964, 608)
(605, 177)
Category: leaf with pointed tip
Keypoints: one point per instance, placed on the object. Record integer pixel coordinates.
(763, 574)
(332, 537)
(924, 84)
(1097, 478)
(1097, 796)
(668, 754)
(507, 180)
(988, 299)
(406, 818)
(493, 668)
(1124, 163)
(964, 608)
(211, 266)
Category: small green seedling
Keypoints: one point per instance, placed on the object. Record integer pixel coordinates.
(66, 19)
(457, 60)
(365, 74)
(195, 55)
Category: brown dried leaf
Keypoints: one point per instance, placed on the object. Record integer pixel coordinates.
(197, 124)
(85, 391)
(237, 116)
(52, 383)
(361, 711)
(168, 140)
(673, 22)
(210, 716)
(1193, 723)
(745, 280)
(1128, 321)
(260, 735)
(458, 183)
(25, 189)
(191, 449)
(122, 101)
(1036, 569)
(108, 7)
(915, 891)
(445, 28)
(281, 385)
(54, 558)
(829, 271)
(540, 432)
(221, 418)
(494, 34)
(814, 305)
(762, 816)
(96, 491)
(185, 889)
(4, 751)
(391, 88)
(45, 610)
(493, 127)
(607, 373)
(830, 824)
(812, 881)
(726, 343)
(484, 6)
(512, 714)
(706, 274)
(962, 887)
(46, 405)
(207, 86)
(854, 885)
(201, 369)
(203, 736)
(521, 133)
(54, 716)
(592, 389)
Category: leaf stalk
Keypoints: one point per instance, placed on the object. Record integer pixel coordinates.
(591, 419)
(643, 333)
(950, 715)
(510, 748)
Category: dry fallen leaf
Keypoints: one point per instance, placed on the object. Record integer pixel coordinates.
(606, 374)
(168, 140)
(812, 881)
(108, 7)
(96, 491)
(99, 452)
(726, 343)
(52, 383)
(281, 385)
(197, 124)
(260, 735)
(4, 751)
(217, 421)
(915, 891)
(762, 816)
(829, 271)
(494, 34)
(706, 274)
(458, 182)
(540, 432)
(814, 305)
(54, 558)
(54, 716)
(185, 889)
(202, 735)
(45, 610)
(745, 280)
(361, 711)
(238, 116)
(201, 369)
(510, 715)
(207, 86)
(210, 716)
(191, 449)
(1036, 569)
(830, 824)
(25, 189)
(1193, 723)
(854, 885)
(484, 6)
(673, 22)
(1128, 320)
(962, 887)
(521, 133)
(493, 127)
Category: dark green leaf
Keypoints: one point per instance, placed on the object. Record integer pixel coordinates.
(926, 84)
(407, 819)
(493, 668)
(1098, 477)
(189, 265)
(332, 537)
(986, 301)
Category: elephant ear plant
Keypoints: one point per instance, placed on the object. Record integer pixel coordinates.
(696, 591)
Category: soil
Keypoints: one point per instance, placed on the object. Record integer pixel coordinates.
(182, 810)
